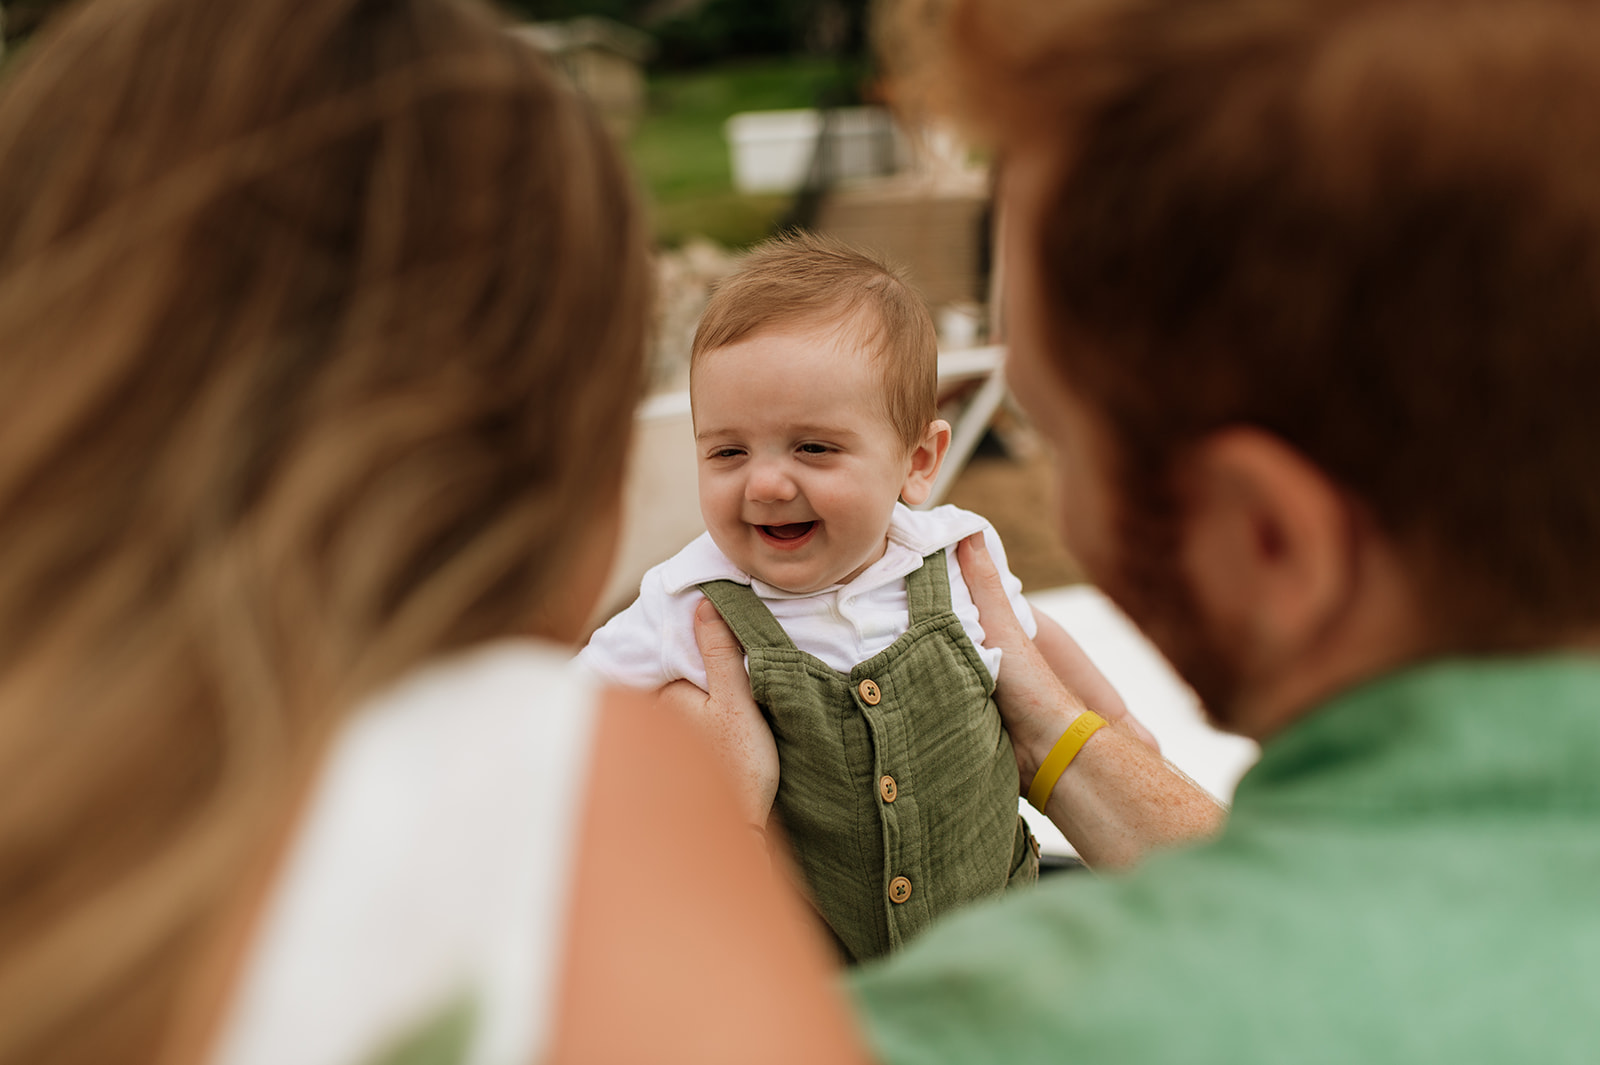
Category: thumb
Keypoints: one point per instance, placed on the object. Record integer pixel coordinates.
(995, 612)
(723, 656)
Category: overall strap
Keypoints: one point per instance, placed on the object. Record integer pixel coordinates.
(928, 588)
(746, 615)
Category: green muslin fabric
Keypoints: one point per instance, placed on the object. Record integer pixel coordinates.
(897, 785)
(445, 1038)
(1409, 874)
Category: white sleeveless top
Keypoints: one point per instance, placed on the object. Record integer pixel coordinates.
(432, 868)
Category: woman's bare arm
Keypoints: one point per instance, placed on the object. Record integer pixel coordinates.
(1118, 799)
(685, 946)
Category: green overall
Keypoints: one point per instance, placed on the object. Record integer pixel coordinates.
(898, 786)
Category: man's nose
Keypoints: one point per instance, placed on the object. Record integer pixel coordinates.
(769, 482)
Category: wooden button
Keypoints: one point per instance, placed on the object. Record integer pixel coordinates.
(888, 789)
(869, 693)
(899, 889)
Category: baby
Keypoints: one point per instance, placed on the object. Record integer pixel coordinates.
(813, 389)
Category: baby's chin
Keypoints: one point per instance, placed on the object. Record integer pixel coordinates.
(803, 579)
(810, 584)
(797, 589)
(787, 580)
(787, 583)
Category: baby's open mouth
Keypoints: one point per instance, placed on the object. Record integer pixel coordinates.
(795, 530)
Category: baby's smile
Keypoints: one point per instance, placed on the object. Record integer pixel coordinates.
(788, 536)
(800, 466)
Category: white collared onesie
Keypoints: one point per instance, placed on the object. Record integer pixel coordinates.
(652, 642)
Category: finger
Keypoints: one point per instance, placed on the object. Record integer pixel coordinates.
(682, 696)
(995, 613)
(720, 649)
(732, 719)
(1078, 671)
(1075, 668)
(1145, 736)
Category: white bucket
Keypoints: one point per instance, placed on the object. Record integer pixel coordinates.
(772, 151)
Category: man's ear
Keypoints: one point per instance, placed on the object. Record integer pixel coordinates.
(1268, 544)
(926, 458)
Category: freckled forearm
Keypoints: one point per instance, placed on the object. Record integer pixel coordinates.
(1119, 800)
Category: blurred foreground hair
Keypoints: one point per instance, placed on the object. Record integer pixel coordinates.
(320, 330)
(1371, 227)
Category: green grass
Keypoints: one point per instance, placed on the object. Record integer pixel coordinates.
(682, 159)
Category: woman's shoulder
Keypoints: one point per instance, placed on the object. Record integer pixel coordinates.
(429, 874)
(524, 686)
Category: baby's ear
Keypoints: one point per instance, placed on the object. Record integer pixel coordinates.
(926, 458)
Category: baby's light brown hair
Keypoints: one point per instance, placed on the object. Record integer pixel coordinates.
(804, 279)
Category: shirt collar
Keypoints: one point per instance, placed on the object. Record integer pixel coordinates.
(1447, 734)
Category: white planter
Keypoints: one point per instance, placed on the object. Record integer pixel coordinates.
(772, 151)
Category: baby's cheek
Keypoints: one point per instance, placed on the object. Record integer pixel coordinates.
(720, 498)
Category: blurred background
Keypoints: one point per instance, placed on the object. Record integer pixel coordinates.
(742, 118)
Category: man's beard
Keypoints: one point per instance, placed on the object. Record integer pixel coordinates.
(1142, 572)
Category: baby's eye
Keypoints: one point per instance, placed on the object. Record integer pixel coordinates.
(727, 453)
(814, 449)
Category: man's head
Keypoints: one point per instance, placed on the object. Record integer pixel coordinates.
(813, 382)
(1362, 235)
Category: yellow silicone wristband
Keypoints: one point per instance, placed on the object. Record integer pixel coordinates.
(1061, 755)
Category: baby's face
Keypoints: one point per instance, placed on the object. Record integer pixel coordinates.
(799, 466)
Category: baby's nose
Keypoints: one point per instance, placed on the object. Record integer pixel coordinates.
(769, 482)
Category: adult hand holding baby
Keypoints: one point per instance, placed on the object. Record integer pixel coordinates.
(727, 715)
(1118, 799)
(1044, 682)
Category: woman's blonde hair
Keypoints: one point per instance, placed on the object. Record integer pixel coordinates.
(320, 329)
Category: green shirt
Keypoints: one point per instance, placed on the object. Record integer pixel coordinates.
(1408, 875)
